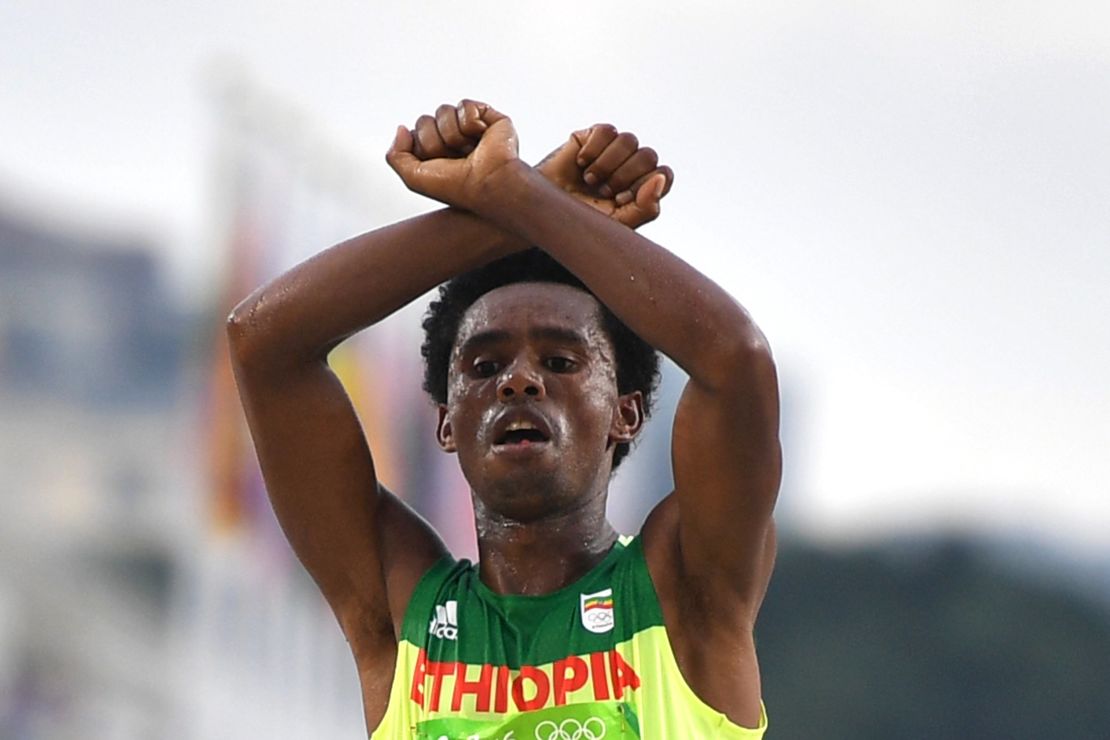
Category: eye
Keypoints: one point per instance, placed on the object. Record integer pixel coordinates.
(485, 368)
(559, 364)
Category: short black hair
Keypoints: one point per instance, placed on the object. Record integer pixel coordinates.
(637, 361)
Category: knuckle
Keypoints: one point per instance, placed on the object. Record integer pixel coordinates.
(466, 111)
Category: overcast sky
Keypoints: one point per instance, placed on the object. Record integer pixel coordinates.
(913, 199)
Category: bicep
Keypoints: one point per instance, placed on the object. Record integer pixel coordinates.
(727, 468)
(364, 548)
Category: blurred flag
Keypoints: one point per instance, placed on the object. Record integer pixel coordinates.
(233, 481)
(287, 197)
(255, 623)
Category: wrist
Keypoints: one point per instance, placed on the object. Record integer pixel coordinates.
(505, 189)
(491, 240)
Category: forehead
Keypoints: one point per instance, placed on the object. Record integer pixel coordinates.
(518, 307)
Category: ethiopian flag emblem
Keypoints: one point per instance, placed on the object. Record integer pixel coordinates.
(597, 611)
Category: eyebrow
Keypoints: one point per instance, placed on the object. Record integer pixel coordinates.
(480, 340)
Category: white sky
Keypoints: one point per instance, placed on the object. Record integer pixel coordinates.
(912, 198)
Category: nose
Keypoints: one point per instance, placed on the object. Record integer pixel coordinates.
(520, 383)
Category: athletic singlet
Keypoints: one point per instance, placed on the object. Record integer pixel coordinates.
(589, 661)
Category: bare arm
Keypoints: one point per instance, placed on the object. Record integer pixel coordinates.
(347, 530)
(726, 448)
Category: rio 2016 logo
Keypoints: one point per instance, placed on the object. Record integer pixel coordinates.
(592, 728)
(571, 729)
(592, 723)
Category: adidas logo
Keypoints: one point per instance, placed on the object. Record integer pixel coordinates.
(445, 624)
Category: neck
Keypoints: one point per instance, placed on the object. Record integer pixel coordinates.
(541, 556)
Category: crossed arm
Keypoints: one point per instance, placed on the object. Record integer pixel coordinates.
(364, 547)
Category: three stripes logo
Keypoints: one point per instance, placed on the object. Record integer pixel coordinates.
(445, 623)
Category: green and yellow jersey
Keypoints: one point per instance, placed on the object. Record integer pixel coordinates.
(589, 661)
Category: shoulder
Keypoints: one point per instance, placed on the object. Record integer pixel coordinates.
(709, 624)
(441, 582)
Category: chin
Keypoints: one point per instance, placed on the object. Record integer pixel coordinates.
(523, 493)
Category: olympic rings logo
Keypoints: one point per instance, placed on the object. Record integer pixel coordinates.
(571, 729)
(598, 618)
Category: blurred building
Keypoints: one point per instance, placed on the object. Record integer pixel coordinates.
(90, 390)
(260, 653)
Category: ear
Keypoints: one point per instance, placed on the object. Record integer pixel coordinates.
(444, 434)
(628, 419)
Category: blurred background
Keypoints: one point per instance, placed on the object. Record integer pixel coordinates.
(911, 198)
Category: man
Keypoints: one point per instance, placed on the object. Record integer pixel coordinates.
(562, 629)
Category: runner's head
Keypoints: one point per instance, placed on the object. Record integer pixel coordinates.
(522, 293)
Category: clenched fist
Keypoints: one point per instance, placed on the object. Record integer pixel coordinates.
(453, 154)
(454, 173)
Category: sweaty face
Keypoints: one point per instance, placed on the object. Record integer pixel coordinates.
(532, 406)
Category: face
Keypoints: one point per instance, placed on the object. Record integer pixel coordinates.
(533, 409)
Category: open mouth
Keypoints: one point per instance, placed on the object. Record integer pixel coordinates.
(521, 434)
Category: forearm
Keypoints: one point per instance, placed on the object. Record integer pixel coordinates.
(302, 314)
(659, 296)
